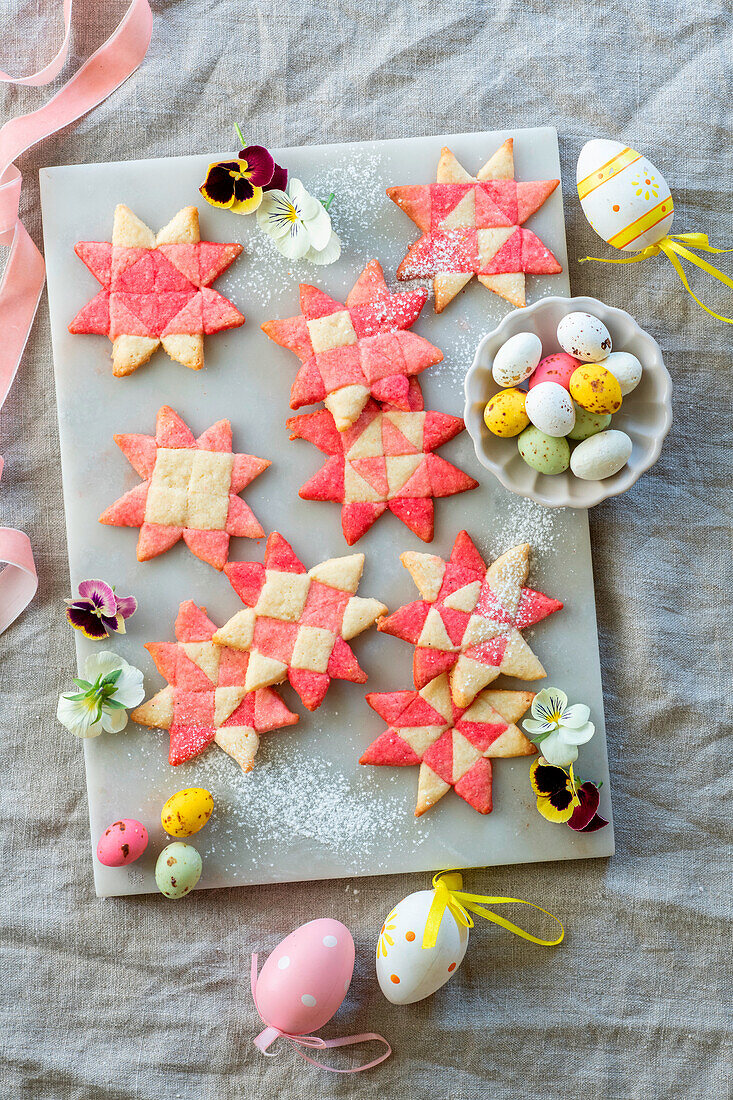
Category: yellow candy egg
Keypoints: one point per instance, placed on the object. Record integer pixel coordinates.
(187, 811)
(504, 414)
(595, 389)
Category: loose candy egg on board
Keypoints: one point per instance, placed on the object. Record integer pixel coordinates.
(595, 389)
(122, 842)
(588, 423)
(516, 359)
(547, 454)
(624, 197)
(306, 977)
(625, 368)
(555, 368)
(550, 408)
(584, 337)
(407, 971)
(177, 870)
(505, 413)
(187, 811)
(601, 456)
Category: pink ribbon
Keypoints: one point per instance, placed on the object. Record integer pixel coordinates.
(268, 1036)
(24, 276)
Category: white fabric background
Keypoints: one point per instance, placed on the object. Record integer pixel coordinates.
(140, 999)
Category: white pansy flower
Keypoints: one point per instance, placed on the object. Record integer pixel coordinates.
(557, 728)
(299, 225)
(111, 686)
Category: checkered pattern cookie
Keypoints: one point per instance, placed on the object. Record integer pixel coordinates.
(469, 619)
(189, 490)
(206, 699)
(384, 461)
(471, 226)
(353, 349)
(453, 745)
(297, 622)
(156, 290)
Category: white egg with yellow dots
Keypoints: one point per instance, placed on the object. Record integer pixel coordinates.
(624, 197)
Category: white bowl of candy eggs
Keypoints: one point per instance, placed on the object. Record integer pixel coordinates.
(568, 402)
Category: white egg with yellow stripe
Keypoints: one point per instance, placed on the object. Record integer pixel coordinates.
(623, 196)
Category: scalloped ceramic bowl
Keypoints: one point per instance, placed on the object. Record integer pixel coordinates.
(645, 415)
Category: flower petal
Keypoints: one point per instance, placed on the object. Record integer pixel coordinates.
(319, 225)
(557, 751)
(537, 725)
(114, 624)
(575, 716)
(547, 702)
(557, 808)
(91, 626)
(129, 688)
(218, 187)
(101, 595)
(546, 779)
(78, 716)
(295, 244)
(101, 664)
(260, 164)
(247, 204)
(584, 813)
(327, 255)
(279, 179)
(126, 606)
(275, 214)
(577, 736)
(113, 721)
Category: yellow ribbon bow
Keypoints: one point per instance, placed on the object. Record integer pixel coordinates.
(671, 248)
(449, 895)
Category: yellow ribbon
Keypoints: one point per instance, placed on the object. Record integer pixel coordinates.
(448, 895)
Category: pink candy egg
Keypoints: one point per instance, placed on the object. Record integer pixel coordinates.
(305, 979)
(555, 368)
(122, 843)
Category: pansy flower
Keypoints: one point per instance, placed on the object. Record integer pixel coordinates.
(299, 225)
(99, 611)
(560, 797)
(110, 688)
(586, 818)
(557, 728)
(238, 185)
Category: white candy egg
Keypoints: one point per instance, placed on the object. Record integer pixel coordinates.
(624, 197)
(601, 456)
(406, 971)
(550, 408)
(517, 359)
(625, 368)
(585, 337)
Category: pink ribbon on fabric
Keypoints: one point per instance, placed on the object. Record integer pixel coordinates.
(268, 1036)
(25, 271)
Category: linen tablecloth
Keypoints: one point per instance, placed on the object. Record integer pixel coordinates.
(141, 999)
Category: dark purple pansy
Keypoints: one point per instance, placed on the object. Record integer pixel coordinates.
(259, 165)
(585, 818)
(99, 612)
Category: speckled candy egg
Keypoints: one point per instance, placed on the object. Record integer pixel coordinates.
(601, 456)
(624, 197)
(305, 979)
(550, 408)
(122, 842)
(547, 454)
(407, 971)
(187, 811)
(505, 414)
(625, 368)
(555, 368)
(516, 359)
(584, 337)
(178, 870)
(595, 389)
(587, 423)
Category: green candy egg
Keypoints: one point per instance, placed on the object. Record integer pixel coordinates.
(177, 870)
(588, 423)
(547, 454)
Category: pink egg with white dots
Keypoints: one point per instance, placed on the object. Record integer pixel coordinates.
(305, 979)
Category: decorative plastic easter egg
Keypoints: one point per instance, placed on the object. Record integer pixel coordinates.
(625, 368)
(305, 979)
(555, 368)
(187, 811)
(601, 456)
(505, 414)
(623, 196)
(550, 409)
(584, 337)
(595, 389)
(587, 423)
(406, 971)
(516, 359)
(177, 870)
(547, 454)
(122, 842)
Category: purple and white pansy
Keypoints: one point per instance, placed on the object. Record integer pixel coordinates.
(99, 611)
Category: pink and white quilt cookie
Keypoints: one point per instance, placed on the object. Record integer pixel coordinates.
(189, 490)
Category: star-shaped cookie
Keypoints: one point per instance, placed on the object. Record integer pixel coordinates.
(471, 225)
(156, 289)
(189, 490)
(453, 745)
(384, 461)
(469, 619)
(353, 349)
(206, 699)
(297, 622)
